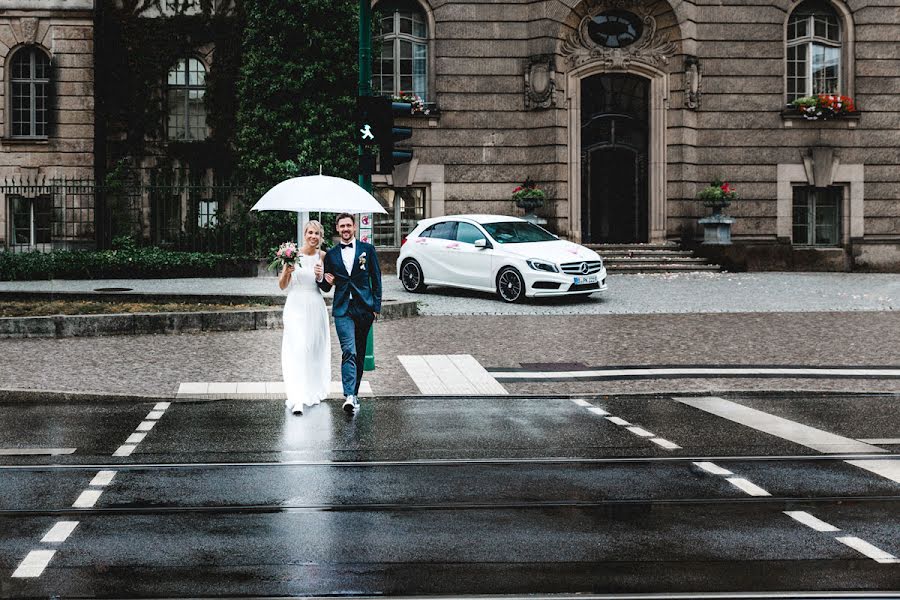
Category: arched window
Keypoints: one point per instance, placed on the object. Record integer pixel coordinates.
(400, 50)
(29, 93)
(813, 50)
(187, 113)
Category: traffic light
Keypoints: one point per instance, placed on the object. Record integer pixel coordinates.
(375, 127)
(388, 155)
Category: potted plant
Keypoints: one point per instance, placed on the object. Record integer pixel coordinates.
(824, 106)
(717, 228)
(529, 197)
(419, 106)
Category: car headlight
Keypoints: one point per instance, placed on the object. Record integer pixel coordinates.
(541, 265)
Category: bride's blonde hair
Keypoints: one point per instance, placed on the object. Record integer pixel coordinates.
(318, 227)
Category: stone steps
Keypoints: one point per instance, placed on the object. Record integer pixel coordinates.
(666, 257)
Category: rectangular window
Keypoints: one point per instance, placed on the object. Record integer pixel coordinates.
(31, 222)
(817, 216)
(405, 207)
(206, 213)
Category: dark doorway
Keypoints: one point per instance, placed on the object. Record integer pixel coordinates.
(614, 159)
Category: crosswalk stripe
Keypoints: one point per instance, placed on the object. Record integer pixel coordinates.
(451, 374)
(786, 429)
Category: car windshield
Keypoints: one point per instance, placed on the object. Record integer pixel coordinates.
(517, 232)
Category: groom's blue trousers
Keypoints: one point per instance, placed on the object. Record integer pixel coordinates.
(352, 332)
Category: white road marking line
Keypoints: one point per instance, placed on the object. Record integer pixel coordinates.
(35, 451)
(581, 402)
(867, 549)
(618, 421)
(449, 374)
(87, 499)
(162, 405)
(598, 411)
(477, 375)
(888, 441)
(34, 564)
(155, 415)
(713, 468)
(422, 375)
(135, 438)
(886, 467)
(698, 372)
(146, 425)
(665, 443)
(747, 486)
(124, 450)
(810, 521)
(786, 429)
(191, 388)
(641, 432)
(102, 478)
(60, 532)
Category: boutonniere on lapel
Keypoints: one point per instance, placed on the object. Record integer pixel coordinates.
(362, 261)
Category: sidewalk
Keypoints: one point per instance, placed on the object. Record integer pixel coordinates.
(775, 319)
(627, 294)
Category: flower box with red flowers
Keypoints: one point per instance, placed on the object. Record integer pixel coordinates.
(823, 107)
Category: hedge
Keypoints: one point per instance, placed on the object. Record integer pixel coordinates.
(120, 264)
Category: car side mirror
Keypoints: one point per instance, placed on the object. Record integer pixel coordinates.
(481, 244)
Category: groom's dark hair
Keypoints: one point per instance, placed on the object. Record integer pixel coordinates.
(342, 216)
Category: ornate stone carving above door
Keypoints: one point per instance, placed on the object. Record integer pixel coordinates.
(631, 17)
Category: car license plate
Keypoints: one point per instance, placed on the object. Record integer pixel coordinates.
(585, 279)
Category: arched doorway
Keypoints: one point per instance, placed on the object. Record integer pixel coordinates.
(615, 114)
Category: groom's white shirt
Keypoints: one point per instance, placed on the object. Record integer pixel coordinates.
(347, 255)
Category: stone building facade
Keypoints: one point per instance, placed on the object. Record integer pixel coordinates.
(46, 120)
(621, 110)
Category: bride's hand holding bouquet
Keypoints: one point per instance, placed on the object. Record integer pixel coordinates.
(285, 256)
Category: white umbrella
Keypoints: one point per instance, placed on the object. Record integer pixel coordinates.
(319, 193)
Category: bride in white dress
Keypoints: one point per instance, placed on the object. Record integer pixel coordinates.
(306, 342)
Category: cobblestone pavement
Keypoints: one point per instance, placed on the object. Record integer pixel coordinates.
(627, 294)
(685, 293)
(800, 319)
(156, 364)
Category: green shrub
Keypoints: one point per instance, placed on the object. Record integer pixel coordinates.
(128, 263)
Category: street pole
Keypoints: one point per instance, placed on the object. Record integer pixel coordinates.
(365, 89)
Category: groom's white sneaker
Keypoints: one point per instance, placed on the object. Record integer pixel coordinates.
(350, 404)
(298, 409)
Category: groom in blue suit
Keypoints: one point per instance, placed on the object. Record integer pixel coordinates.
(352, 268)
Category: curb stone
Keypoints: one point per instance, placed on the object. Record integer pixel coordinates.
(63, 326)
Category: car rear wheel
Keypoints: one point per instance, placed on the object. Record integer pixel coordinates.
(510, 285)
(411, 277)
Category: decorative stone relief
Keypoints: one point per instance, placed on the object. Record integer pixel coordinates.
(651, 48)
(29, 30)
(693, 80)
(540, 82)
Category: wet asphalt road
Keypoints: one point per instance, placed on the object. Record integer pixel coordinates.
(448, 496)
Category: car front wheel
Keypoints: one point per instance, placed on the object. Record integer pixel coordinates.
(411, 277)
(510, 285)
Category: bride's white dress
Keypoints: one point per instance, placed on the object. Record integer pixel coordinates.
(306, 342)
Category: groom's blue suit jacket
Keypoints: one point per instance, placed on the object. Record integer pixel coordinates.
(363, 282)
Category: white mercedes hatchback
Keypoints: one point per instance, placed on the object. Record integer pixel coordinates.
(506, 255)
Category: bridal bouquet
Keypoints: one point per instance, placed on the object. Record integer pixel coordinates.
(286, 253)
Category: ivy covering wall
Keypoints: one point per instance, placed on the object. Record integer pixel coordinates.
(296, 93)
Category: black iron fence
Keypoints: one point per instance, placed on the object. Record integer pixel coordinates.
(78, 213)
